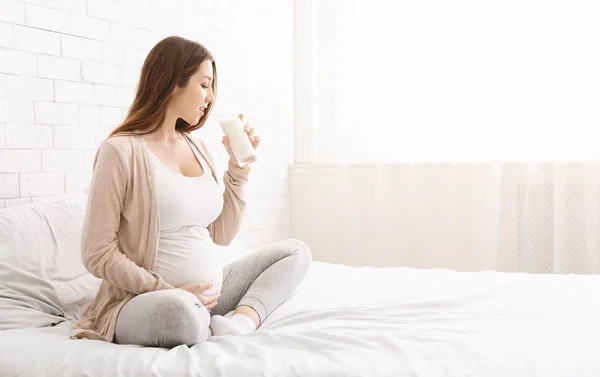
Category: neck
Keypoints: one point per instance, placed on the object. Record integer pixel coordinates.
(167, 131)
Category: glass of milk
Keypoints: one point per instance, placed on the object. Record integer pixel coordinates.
(242, 148)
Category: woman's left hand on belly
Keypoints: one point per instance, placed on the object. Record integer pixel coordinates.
(199, 290)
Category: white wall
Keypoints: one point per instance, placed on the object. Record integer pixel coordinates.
(68, 70)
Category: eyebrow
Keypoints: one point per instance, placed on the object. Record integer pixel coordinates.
(208, 77)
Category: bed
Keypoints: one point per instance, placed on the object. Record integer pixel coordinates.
(356, 321)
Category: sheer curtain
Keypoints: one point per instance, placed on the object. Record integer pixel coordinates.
(512, 85)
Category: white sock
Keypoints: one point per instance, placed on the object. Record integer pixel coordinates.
(231, 324)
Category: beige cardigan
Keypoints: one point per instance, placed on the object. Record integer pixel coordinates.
(121, 228)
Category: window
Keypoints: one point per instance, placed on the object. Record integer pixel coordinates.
(421, 81)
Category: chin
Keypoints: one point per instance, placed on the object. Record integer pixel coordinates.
(192, 120)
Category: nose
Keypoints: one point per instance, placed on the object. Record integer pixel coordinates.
(210, 97)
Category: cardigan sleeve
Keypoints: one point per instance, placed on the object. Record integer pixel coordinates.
(235, 179)
(100, 247)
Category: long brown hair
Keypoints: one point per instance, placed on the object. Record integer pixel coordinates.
(172, 61)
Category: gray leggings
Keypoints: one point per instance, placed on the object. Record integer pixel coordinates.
(262, 280)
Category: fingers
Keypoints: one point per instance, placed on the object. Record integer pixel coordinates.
(199, 287)
(195, 288)
(211, 305)
(208, 300)
(254, 139)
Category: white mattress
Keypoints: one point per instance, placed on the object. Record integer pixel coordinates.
(348, 321)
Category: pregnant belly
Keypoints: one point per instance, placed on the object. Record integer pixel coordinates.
(187, 257)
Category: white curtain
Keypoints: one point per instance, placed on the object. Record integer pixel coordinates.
(517, 217)
(469, 83)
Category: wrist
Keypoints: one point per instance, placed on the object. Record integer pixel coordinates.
(233, 164)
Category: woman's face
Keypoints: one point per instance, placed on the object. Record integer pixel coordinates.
(190, 102)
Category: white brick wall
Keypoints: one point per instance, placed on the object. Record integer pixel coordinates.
(68, 69)
(47, 19)
(29, 88)
(2, 136)
(36, 40)
(28, 136)
(12, 11)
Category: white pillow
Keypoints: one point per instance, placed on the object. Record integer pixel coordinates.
(42, 278)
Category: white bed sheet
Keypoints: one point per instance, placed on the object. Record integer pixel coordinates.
(348, 321)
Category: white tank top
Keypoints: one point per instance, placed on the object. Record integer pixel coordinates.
(187, 205)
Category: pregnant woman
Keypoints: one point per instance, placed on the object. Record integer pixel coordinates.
(155, 214)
